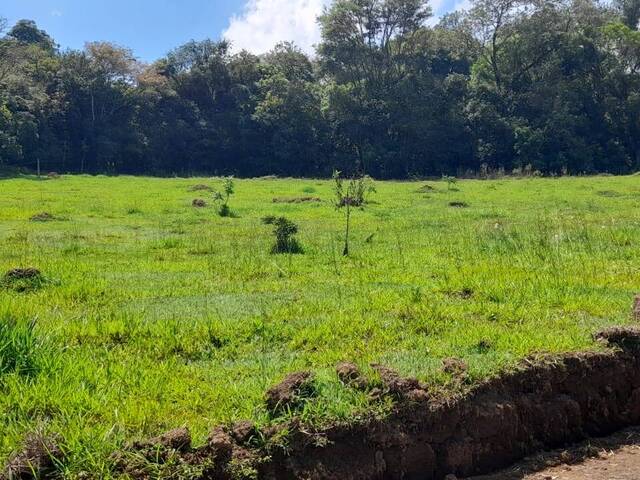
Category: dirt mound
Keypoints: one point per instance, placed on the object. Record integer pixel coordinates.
(42, 217)
(426, 188)
(22, 279)
(398, 386)
(200, 187)
(349, 374)
(198, 203)
(455, 367)
(296, 199)
(39, 456)
(291, 393)
(22, 273)
(178, 439)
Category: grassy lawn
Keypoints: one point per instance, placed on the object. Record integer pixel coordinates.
(156, 314)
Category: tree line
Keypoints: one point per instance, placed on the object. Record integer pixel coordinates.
(537, 85)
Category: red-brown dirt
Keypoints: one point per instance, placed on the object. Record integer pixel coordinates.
(612, 458)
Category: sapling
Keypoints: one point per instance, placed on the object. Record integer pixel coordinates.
(451, 181)
(349, 194)
(221, 198)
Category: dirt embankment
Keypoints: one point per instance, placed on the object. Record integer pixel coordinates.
(544, 404)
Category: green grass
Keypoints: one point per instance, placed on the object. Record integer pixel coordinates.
(156, 314)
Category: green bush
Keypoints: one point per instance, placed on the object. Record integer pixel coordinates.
(284, 230)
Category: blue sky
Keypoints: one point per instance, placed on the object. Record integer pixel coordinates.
(153, 27)
(149, 27)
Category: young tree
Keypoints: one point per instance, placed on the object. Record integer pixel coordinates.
(350, 194)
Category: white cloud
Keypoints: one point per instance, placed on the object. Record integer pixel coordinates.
(263, 23)
(56, 13)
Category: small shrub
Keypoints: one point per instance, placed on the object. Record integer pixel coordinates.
(221, 198)
(22, 279)
(284, 230)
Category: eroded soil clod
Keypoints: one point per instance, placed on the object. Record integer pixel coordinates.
(296, 199)
(39, 456)
(291, 393)
(22, 279)
(42, 217)
(349, 374)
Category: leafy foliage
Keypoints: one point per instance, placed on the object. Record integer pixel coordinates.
(500, 86)
(221, 198)
(284, 230)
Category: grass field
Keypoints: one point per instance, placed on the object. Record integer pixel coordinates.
(155, 314)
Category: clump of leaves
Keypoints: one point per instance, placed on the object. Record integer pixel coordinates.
(351, 193)
(284, 231)
(221, 197)
(22, 279)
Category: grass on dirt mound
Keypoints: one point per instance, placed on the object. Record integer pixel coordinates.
(163, 315)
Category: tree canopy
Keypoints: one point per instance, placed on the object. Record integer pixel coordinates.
(546, 85)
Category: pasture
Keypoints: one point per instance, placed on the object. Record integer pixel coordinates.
(153, 314)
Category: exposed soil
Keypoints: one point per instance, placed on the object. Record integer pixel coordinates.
(200, 187)
(426, 188)
(291, 393)
(612, 458)
(22, 274)
(37, 458)
(546, 403)
(296, 199)
(22, 279)
(199, 203)
(42, 217)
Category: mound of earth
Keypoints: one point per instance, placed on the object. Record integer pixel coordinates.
(291, 393)
(37, 459)
(200, 187)
(42, 217)
(22, 279)
(198, 203)
(296, 199)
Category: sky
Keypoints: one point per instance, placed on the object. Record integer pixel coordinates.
(151, 28)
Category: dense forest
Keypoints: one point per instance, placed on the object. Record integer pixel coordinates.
(527, 85)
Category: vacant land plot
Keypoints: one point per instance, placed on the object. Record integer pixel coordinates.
(126, 311)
